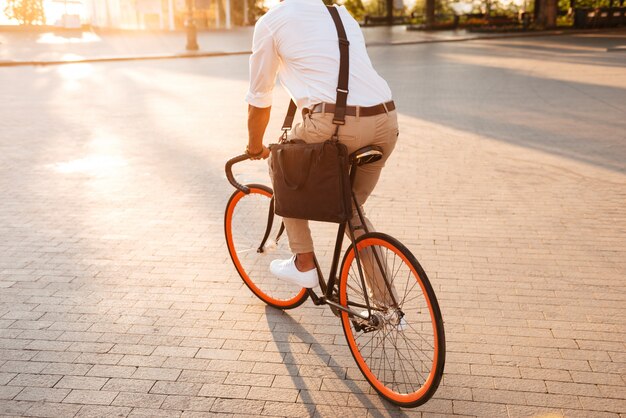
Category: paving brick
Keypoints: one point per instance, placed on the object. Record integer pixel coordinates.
(128, 385)
(201, 376)
(81, 382)
(91, 347)
(95, 358)
(552, 400)
(137, 349)
(545, 374)
(495, 371)
(328, 411)
(9, 392)
(175, 351)
(187, 403)
(111, 371)
(588, 414)
(15, 408)
(90, 397)
(155, 373)
(6, 377)
(186, 363)
(218, 354)
(317, 398)
(176, 388)
(22, 367)
(259, 380)
(153, 413)
(237, 406)
(56, 357)
(573, 388)
(520, 411)
(597, 378)
(287, 409)
(273, 394)
(523, 385)
(19, 355)
(145, 361)
(499, 396)
(42, 394)
(37, 380)
(139, 400)
(603, 404)
(53, 410)
(98, 411)
(67, 369)
(480, 409)
(224, 391)
(232, 366)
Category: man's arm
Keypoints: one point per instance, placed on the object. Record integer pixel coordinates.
(258, 118)
(263, 70)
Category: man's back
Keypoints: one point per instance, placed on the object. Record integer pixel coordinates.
(298, 38)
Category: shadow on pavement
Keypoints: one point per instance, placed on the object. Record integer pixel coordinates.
(318, 349)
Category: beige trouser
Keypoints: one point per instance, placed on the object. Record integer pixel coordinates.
(358, 132)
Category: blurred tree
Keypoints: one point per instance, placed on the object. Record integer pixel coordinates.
(27, 12)
(429, 12)
(356, 8)
(545, 13)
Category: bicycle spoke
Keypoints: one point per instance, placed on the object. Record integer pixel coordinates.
(398, 347)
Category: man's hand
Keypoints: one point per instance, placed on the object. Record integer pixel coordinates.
(258, 118)
(258, 155)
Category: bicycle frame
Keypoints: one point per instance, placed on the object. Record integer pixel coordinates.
(328, 287)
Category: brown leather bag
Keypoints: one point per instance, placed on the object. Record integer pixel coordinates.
(311, 181)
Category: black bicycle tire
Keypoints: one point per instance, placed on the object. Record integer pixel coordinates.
(430, 293)
(235, 198)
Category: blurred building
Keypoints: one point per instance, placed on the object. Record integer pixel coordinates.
(156, 14)
(132, 14)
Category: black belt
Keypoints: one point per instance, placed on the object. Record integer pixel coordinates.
(352, 110)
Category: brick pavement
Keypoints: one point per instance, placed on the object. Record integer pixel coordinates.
(117, 296)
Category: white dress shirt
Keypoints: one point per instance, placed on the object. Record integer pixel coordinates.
(297, 40)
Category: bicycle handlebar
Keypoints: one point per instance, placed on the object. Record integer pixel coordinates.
(229, 172)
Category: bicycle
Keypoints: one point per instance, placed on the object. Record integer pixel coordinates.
(395, 334)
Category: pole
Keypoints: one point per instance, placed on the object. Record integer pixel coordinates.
(218, 19)
(227, 11)
(192, 33)
(245, 13)
(170, 9)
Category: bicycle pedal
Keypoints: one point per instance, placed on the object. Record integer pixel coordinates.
(360, 327)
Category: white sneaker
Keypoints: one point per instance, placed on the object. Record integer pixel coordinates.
(287, 270)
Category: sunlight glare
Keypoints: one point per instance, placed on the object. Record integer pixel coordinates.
(72, 73)
(52, 38)
(95, 165)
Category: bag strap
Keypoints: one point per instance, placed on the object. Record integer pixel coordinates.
(342, 82)
(344, 65)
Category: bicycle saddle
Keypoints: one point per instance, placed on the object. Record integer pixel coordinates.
(366, 155)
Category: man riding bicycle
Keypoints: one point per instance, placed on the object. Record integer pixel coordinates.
(297, 41)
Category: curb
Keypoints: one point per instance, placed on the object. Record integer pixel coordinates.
(224, 54)
(123, 58)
